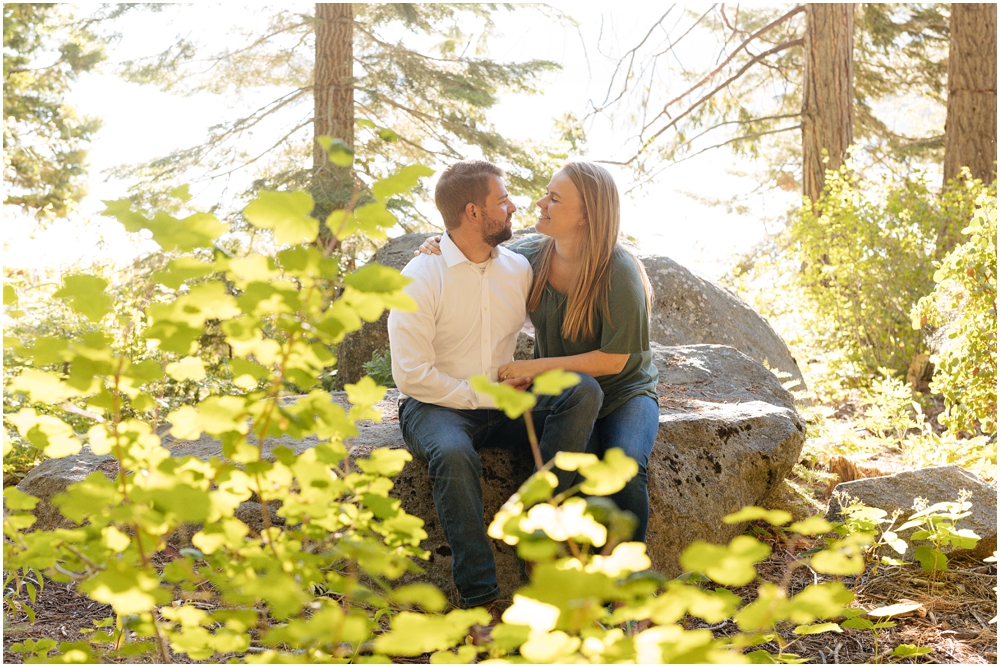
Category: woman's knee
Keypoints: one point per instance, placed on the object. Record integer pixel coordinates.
(589, 391)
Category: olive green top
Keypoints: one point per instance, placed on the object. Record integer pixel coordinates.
(627, 331)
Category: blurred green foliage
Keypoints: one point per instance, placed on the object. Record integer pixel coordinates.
(963, 308)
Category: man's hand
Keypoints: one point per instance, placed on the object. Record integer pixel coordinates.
(520, 383)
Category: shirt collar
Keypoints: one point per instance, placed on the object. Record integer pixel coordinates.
(452, 255)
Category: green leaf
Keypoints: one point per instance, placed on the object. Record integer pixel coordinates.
(507, 637)
(86, 296)
(464, 655)
(514, 403)
(538, 487)
(400, 182)
(761, 657)
(609, 476)
(180, 192)
(554, 382)
(43, 387)
(182, 269)
(426, 596)
(187, 369)
(843, 556)
(818, 601)
(338, 150)
(280, 591)
(9, 295)
(47, 433)
(365, 393)
(909, 651)
(930, 559)
(18, 500)
(370, 219)
(385, 461)
(127, 588)
(731, 565)
(47, 350)
(753, 513)
(374, 277)
(817, 629)
(195, 231)
(387, 135)
(814, 525)
(857, 623)
(412, 634)
(287, 213)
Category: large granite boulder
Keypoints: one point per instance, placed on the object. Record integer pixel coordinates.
(52, 476)
(935, 485)
(687, 310)
(728, 435)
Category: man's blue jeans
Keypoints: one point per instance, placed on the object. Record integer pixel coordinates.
(448, 439)
(632, 427)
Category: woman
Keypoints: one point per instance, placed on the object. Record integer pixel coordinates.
(589, 304)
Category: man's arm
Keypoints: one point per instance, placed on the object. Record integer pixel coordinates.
(411, 336)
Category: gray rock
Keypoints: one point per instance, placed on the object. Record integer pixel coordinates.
(52, 476)
(687, 310)
(728, 435)
(936, 485)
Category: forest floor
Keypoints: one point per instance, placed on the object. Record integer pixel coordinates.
(952, 617)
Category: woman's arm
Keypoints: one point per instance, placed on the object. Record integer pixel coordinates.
(594, 364)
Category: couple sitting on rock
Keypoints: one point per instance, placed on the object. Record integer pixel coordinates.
(588, 299)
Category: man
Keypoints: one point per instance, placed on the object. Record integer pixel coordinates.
(470, 306)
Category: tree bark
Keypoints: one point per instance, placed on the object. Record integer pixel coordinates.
(828, 92)
(971, 125)
(333, 94)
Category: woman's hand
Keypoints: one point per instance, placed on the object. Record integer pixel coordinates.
(518, 369)
(431, 246)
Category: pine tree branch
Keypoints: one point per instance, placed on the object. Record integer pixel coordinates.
(778, 21)
(761, 119)
(630, 54)
(277, 143)
(708, 96)
(752, 135)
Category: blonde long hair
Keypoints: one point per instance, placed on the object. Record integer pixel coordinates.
(589, 294)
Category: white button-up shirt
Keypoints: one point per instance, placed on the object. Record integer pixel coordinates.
(466, 324)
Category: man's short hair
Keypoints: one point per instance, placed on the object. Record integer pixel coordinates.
(461, 183)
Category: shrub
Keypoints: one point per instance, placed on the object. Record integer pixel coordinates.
(964, 304)
(866, 259)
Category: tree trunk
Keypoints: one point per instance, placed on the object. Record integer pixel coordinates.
(828, 92)
(333, 94)
(971, 126)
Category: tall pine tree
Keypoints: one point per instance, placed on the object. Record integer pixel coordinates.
(45, 140)
(418, 88)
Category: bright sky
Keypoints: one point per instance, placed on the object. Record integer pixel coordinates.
(141, 123)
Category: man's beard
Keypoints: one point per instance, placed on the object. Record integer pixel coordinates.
(501, 233)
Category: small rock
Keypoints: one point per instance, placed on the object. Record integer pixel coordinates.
(936, 485)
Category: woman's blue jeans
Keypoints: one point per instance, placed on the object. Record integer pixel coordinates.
(631, 427)
(448, 439)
